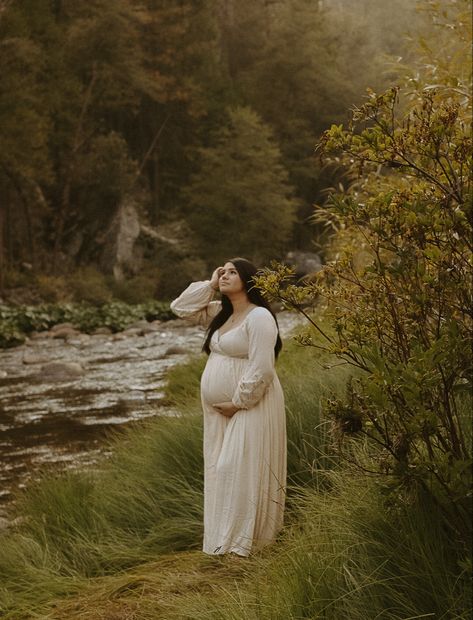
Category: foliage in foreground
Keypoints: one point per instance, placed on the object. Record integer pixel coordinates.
(399, 288)
(349, 557)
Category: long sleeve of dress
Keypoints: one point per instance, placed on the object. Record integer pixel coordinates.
(262, 331)
(195, 303)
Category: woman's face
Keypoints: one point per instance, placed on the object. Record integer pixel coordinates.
(229, 280)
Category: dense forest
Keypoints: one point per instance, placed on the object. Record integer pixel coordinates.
(144, 140)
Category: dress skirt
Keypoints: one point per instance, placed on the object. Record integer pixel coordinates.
(245, 455)
(245, 463)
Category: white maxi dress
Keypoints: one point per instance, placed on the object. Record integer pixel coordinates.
(244, 456)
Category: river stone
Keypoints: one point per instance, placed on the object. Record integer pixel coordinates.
(119, 336)
(176, 350)
(102, 330)
(60, 326)
(35, 358)
(65, 332)
(171, 324)
(40, 335)
(7, 523)
(58, 370)
(150, 329)
(138, 324)
(132, 331)
(305, 263)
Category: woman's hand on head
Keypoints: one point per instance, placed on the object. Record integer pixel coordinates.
(227, 408)
(215, 277)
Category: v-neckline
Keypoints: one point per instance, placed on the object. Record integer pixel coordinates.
(219, 336)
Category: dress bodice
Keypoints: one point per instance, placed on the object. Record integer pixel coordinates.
(233, 343)
(253, 339)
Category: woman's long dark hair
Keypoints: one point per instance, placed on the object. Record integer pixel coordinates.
(246, 271)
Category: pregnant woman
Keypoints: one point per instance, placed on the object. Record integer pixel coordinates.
(244, 417)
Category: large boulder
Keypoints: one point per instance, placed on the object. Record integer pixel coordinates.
(130, 245)
(306, 264)
(118, 255)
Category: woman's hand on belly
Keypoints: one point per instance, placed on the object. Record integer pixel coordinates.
(227, 408)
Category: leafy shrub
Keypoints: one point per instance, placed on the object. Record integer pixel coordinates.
(10, 334)
(89, 285)
(52, 289)
(14, 278)
(137, 289)
(400, 308)
(176, 272)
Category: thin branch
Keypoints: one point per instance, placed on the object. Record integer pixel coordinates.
(77, 143)
(151, 149)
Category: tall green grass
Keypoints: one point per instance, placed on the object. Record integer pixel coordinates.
(146, 501)
(343, 553)
(147, 498)
(348, 556)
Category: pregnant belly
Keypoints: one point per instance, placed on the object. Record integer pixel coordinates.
(220, 378)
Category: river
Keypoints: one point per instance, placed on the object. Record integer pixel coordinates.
(56, 421)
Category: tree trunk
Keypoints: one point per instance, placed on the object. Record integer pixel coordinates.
(77, 145)
(150, 163)
(60, 220)
(23, 195)
(154, 187)
(227, 28)
(7, 234)
(2, 248)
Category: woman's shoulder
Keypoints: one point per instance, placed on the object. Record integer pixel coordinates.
(260, 314)
(260, 310)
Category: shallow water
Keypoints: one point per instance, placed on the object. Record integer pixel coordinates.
(46, 422)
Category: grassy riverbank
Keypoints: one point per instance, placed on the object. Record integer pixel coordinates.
(124, 542)
(17, 322)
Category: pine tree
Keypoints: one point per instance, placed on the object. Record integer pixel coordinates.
(314, 61)
(24, 127)
(240, 202)
(179, 47)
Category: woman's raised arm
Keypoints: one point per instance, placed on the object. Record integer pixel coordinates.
(196, 303)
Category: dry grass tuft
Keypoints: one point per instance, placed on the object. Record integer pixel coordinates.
(154, 590)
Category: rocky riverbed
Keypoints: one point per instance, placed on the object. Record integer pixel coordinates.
(62, 392)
